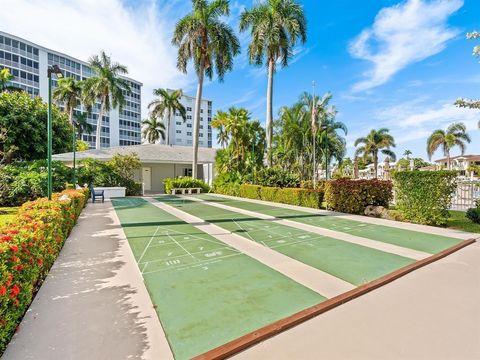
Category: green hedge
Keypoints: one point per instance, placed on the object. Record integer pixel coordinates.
(183, 183)
(353, 196)
(29, 245)
(424, 197)
(292, 196)
(275, 177)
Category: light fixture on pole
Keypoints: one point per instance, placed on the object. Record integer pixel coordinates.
(53, 69)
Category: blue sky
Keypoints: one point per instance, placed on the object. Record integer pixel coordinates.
(388, 63)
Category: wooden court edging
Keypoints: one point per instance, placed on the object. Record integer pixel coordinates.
(247, 340)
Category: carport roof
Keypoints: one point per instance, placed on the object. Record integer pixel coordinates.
(148, 153)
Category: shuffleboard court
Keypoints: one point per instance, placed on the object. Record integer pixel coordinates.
(421, 241)
(353, 263)
(206, 293)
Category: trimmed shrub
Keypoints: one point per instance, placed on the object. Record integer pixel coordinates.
(353, 196)
(249, 191)
(274, 177)
(183, 183)
(292, 196)
(28, 247)
(424, 197)
(473, 214)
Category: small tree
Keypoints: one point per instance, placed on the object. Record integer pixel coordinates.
(125, 165)
(153, 130)
(375, 142)
(456, 135)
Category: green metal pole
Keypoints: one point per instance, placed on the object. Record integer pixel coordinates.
(74, 150)
(49, 137)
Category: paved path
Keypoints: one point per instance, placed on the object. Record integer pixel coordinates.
(93, 304)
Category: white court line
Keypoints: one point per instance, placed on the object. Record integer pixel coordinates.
(194, 253)
(334, 234)
(317, 280)
(145, 250)
(188, 252)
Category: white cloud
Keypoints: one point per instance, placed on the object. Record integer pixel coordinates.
(137, 37)
(401, 35)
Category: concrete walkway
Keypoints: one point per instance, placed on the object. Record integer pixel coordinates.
(93, 304)
(431, 313)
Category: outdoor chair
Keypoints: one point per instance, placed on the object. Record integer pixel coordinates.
(97, 194)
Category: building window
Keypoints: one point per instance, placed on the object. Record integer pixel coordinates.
(178, 131)
(189, 125)
(189, 133)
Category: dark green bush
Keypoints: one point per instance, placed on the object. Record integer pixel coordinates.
(353, 196)
(227, 184)
(292, 196)
(183, 183)
(274, 177)
(424, 197)
(473, 214)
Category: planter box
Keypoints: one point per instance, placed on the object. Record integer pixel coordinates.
(112, 192)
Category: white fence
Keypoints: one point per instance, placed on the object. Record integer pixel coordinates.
(465, 195)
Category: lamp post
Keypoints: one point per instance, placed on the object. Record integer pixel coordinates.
(74, 144)
(54, 69)
(324, 127)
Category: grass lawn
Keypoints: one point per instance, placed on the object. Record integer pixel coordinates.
(458, 221)
(10, 214)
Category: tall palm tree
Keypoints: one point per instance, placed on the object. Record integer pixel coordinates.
(275, 27)
(82, 124)
(219, 122)
(376, 141)
(456, 135)
(202, 36)
(407, 154)
(68, 92)
(167, 103)
(153, 130)
(106, 86)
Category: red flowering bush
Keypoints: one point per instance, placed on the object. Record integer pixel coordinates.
(353, 196)
(28, 248)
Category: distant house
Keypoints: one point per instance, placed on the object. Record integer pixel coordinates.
(460, 163)
(158, 162)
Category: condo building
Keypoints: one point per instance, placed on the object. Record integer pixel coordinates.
(181, 132)
(28, 63)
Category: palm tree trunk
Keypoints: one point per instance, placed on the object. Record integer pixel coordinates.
(168, 127)
(196, 119)
(375, 164)
(99, 128)
(448, 160)
(269, 118)
(70, 115)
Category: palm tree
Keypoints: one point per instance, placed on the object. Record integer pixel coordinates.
(168, 103)
(219, 122)
(407, 154)
(456, 135)
(376, 140)
(275, 27)
(211, 44)
(5, 78)
(68, 92)
(106, 86)
(153, 130)
(82, 125)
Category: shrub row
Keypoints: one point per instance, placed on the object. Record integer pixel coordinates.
(353, 196)
(183, 183)
(28, 247)
(424, 197)
(293, 196)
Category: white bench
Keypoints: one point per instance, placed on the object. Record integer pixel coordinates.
(187, 191)
(111, 192)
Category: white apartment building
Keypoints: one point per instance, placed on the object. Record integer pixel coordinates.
(181, 132)
(28, 63)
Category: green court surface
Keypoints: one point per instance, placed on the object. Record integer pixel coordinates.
(351, 262)
(205, 292)
(420, 241)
